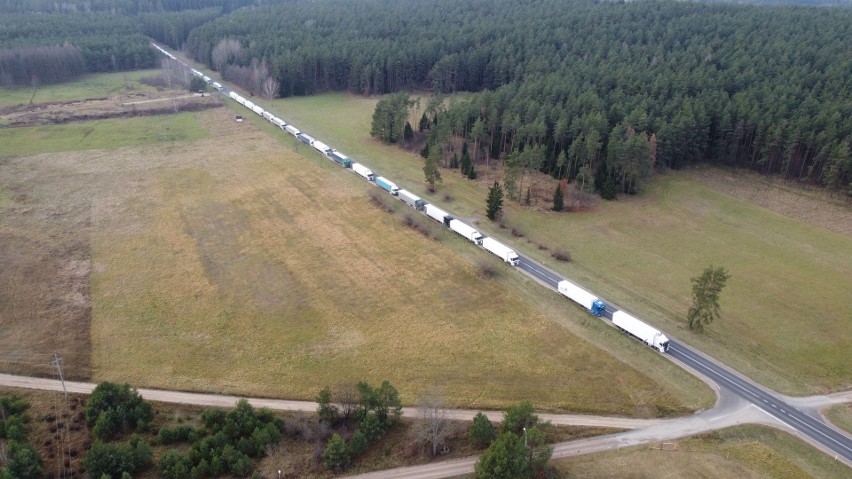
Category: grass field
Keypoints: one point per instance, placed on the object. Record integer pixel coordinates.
(742, 452)
(228, 262)
(785, 311)
(841, 416)
(89, 86)
(99, 135)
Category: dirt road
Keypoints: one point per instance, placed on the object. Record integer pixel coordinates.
(179, 397)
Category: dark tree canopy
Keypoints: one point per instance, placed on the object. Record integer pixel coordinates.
(767, 88)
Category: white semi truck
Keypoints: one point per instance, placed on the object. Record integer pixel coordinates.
(363, 171)
(502, 251)
(321, 147)
(292, 130)
(438, 214)
(468, 232)
(582, 297)
(648, 334)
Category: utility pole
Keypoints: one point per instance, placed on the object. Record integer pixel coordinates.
(57, 361)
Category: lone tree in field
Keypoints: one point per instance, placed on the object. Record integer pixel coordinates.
(430, 167)
(705, 297)
(494, 204)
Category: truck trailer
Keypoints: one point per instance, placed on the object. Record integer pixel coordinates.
(438, 214)
(292, 130)
(278, 122)
(341, 158)
(267, 116)
(259, 110)
(468, 232)
(502, 251)
(321, 147)
(388, 185)
(248, 104)
(363, 171)
(582, 297)
(411, 199)
(217, 86)
(649, 335)
(305, 138)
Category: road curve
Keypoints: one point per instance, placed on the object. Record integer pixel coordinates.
(220, 400)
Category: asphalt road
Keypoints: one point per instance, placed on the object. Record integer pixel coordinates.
(837, 442)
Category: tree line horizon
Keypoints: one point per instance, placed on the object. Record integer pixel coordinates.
(634, 86)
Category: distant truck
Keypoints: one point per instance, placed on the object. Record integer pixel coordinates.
(258, 109)
(411, 199)
(500, 250)
(341, 158)
(292, 130)
(278, 122)
(582, 297)
(248, 104)
(468, 232)
(438, 214)
(321, 147)
(267, 116)
(646, 333)
(305, 138)
(363, 171)
(388, 185)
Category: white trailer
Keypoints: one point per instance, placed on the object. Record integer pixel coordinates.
(646, 333)
(196, 73)
(258, 109)
(468, 232)
(217, 85)
(207, 79)
(248, 104)
(411, 199)
(502, 251)
(363, 171)
(267, 116)
(234, 95)
(582, 297)
(278, 122)
(321, 147)
(438, 214)
(292, 130)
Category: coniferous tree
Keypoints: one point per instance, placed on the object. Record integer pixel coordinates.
(494, 203)
(706, 289)
(558, 198)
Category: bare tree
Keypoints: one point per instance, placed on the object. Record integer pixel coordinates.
(269, 89)
(226, 51)
(347, 399)
(432, 426)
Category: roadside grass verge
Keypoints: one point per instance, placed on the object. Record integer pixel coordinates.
(100, 134)
(789, 278)
(97, 85)
(742, 452)
(840, 416)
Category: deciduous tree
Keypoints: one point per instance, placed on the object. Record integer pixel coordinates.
(706, 289)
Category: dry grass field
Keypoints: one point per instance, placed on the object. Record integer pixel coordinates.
(786, 309)
(227, 262)
(841, 416)
(741, 452)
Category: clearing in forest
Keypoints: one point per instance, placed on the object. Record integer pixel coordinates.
(225, 261)
(785, 310)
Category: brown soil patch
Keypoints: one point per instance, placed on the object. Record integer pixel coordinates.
(815, 206)
(121, 106)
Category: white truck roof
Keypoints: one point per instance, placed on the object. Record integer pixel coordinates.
(576, 293)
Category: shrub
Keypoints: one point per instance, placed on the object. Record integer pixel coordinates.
(358, 444)
(486, 268)
(381, 200)
(336, 456)
(561, 255)
(115, 459)
(481, 432)
(175, 465)
(113, 410)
